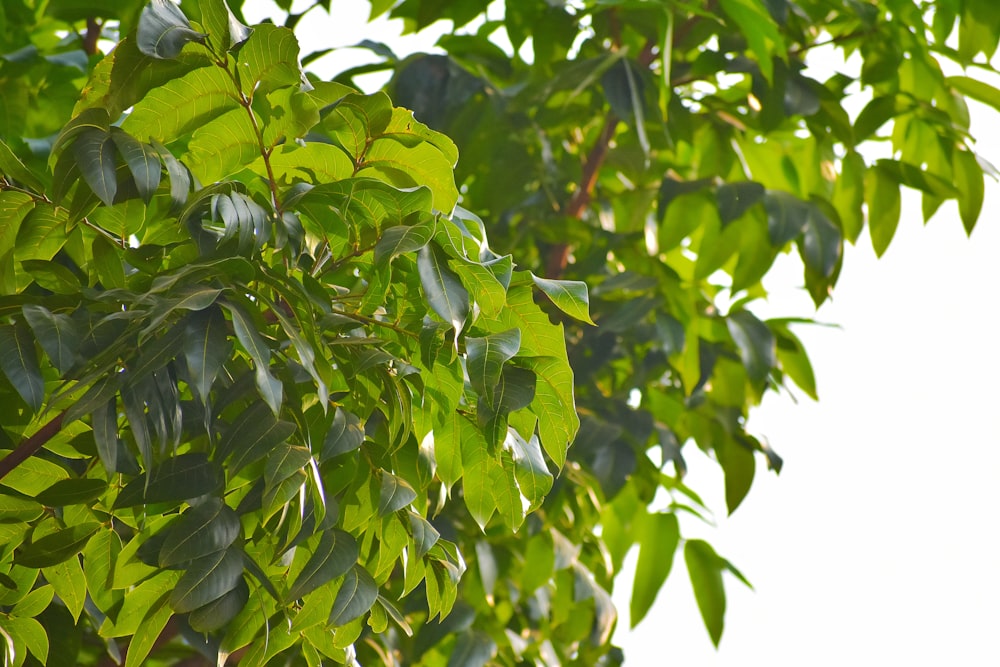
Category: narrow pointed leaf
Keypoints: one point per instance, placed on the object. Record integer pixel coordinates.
(55, 547)
(424, 534)
(218, 613)
(252, 436)
(206, 348)
(56, 333)
(104, 422)
(705, 570)
(176, 479)
(658, 538)
(269, 386)
(20, 364)
(95, 156)
(72, 492)
(345, 434)
(443, 290)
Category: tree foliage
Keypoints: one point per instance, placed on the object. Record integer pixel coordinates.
(269, 394)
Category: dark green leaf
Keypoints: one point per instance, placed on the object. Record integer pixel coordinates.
(201, 530)
(164, 30)
(283, 461)
(755, 342)
(56, 333)
(141, 160)
(424, 534)
(705, 570)
(72, 492)
(569, 296)
(254, 433)
(55, 547)
(206, 348)
(176, 479)
(218, 613)
(336, 552)
(207, 579)
(20, 364)
(786, 217)
(735, 199)
(356, 596)
(269, 386)
(402, 239)
(822, 243)
(95, 156)
(473, 648)
(104, 422)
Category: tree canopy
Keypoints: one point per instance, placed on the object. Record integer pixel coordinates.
(293, 374)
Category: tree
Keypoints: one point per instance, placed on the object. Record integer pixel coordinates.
(269, 394)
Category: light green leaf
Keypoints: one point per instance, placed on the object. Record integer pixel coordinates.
(976, 89)
(569, 296)
(884, 205)
(357, 594)
(477, 467)
(424, 534)
(224, 30)
(175, 108)
(149, 629)
(70, 585)
(705, 570)
(533, 476)
(27, 633)
(405, 164)
(207, 579)
(969, 181)
(268, 60)
(402, 239)
(473, 648)
(554, 405)
(760, 31)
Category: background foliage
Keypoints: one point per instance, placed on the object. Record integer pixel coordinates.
(270, 395)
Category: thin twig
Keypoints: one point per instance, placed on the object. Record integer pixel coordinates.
(27, 449)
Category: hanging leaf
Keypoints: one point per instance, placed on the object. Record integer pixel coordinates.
(164, 30)
(445, 294)
(95, 156)
(884, 205)
(20, 364)
(254, 433)
(533, 477)
(755, 342)
(55, 547)
(705, 570)
(658, 536)
(356, 596)
(424, 534)
(345, 434)
(486, 357)
(218, 613)
(206, 348)
(176, 479)
(822, 243)
(142, 162)
(56, 333)
(246, 332)
(402, 239)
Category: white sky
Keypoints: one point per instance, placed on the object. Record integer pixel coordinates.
(878, 543)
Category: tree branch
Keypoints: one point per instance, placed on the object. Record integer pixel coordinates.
(27, 449)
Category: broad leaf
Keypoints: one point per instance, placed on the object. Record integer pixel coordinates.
(202, 530)
(20, 364)
(176, 479)
(658, 536)
(55, 547)
(705, 570)
(395, 494)
(164, 30)
(569, 296)
(486, 357)
(356, 596)
(207, 579)
(333, 556)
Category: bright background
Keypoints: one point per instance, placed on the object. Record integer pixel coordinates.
(878, 543)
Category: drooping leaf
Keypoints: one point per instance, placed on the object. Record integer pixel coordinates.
(884, 205)
(254, 433)
(206, 348)
(95, 156)
(269, 386)
(56, 333)
(55, 547)
(345, 434)
(658, 537)
(533, 477)
(402, 239)
(755, 342)
(424, 534)
(20, 364)
(445, 293)
(705, 570)
(217, 613)
(395, 494)
(142, 162)
(486, 357)
(175, 479)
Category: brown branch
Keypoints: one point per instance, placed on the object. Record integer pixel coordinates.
(92, 36)
(27, 449)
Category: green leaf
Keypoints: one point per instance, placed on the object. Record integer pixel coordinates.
(486, 357)
(760, 31)
(344, 435)
(477, 467)
(969, 181)
(884, 205)
(55, 547)
(283, 461)
(104, 422)
(70, 585)
(29, 633)
(786, 216)
(822, 243)
(755, 342)
(254, 433)
(976, 89)
(149, 629)
(72, 492)
(14, 509)
(333, 556)
(12, 165)
(20, 364)
(402, 239)
(95, 156)
(738, 464)
(56, 333)
(532, 474)
(268, 60)
(445, 294)
(424, 534)
(142, 162)
(357, 594)
(624, 88)
(473, 648)
(658, 537)
(224, 30)
(270, 387)
(735, 199)
(34, 602)
(705, 570)
(206, 348)
(164, 30)
(207, 579)
(795, 362)
(218, 613)
(569, 296)
(201, 530)
(176, 479)
(395, 494)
